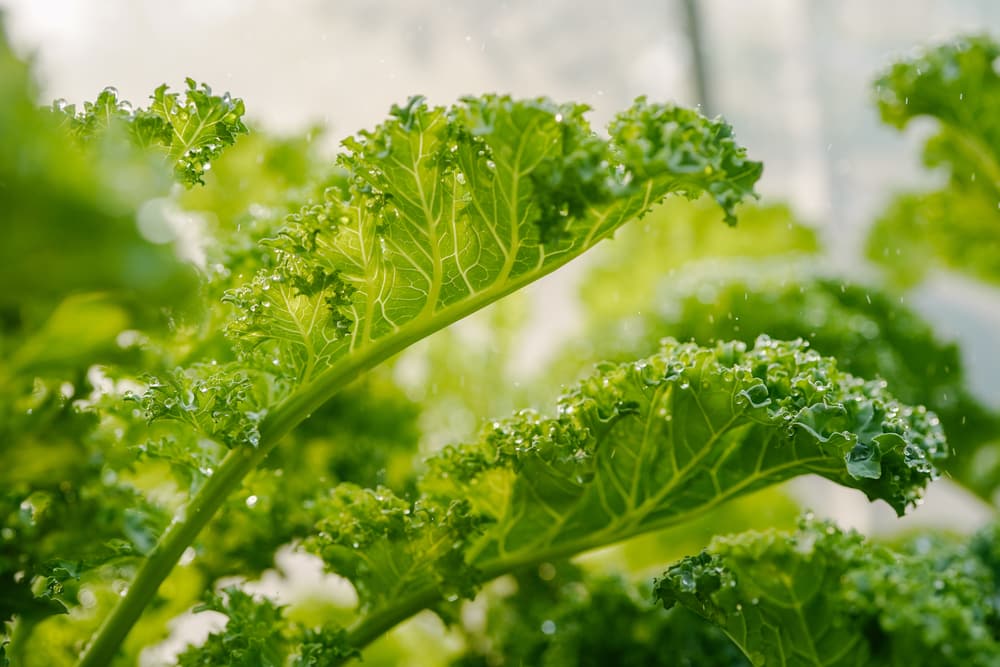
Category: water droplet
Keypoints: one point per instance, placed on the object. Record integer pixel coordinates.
(549, 627)
(460, 177)
(112, 91)
(251, 501)
(188, 556)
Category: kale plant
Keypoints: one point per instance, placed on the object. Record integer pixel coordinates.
(201, 361)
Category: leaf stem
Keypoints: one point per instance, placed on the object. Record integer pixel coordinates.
(172, 544)
(239, 462)
(371, 627)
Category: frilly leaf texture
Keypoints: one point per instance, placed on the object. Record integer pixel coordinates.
(635, 447)
(192, 131)
(450, 207)
(445, 210)
(821, 596)
(958, 85)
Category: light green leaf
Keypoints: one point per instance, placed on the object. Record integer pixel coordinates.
(192, 132)
(958, 85)
(866, 329)
(445, 211)
(634, 448)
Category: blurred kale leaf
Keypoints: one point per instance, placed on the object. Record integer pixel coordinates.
(957, 84)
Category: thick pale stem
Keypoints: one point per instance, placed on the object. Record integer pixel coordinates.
(298, 407)
(276, 426)
(172, 544)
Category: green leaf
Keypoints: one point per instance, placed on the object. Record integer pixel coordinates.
(252, 637)
(448, 209)
(867, 329)
(630, 274)
(952, 229)
(444, 211)
(259, 634)
(572, 621)
(825, 597)
(191, 132)
(958, 85)
(634, 448)
(17, 598)
(324, 648)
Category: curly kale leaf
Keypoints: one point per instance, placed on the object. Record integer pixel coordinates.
(449, 209)
(560, 619)
(259, 634)
(821, 596)
(958, 85)
(866, 329)
(253, 636)
(191, 132)
(443, 211)
(636, 447)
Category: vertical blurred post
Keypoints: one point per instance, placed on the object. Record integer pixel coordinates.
(696, 40)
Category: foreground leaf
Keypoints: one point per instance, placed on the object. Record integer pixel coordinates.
(867, 330)
(443, 211)
(449, 209)
(634, 448)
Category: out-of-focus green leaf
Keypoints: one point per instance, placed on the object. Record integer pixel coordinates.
(252, 638)
(644, 255)
(559, 621)
(367, 434)
(958, 85)
(259, 634)
(951, 229)
(84, 275)
(192, 132)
